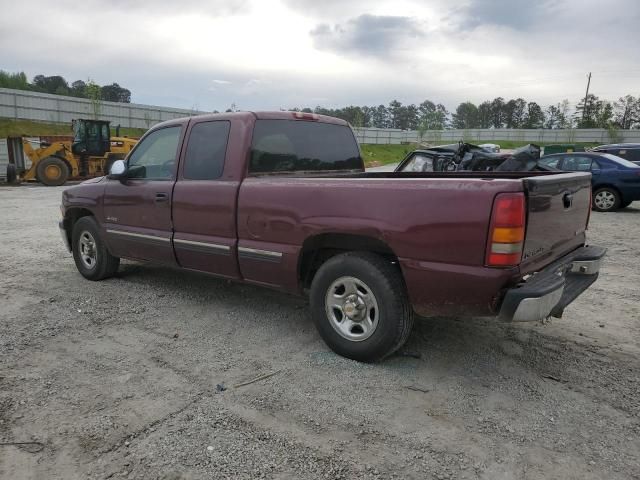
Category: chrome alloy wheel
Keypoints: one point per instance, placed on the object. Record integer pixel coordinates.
(352, 309)
(604, 200)
(88, 252)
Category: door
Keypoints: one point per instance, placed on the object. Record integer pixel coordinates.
(137, 210)
(204, 203)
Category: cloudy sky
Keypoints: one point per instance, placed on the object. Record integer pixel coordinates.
(271, 54)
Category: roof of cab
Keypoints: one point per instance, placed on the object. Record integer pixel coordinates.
(262, 115)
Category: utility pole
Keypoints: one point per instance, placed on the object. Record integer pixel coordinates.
(586, 95)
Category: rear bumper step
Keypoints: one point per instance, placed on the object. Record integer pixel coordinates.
(549, 291)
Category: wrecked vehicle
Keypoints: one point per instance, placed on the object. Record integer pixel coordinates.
(281, 200)
(468, 157)
(490, 147)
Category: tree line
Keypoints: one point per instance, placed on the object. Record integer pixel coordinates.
(623, 113)
(591, 112)
(57, 85)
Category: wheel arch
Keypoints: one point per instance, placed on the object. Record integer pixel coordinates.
(319, 248)
(71, 216)
(608, 185)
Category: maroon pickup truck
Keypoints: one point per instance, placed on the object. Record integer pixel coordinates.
(281, 199)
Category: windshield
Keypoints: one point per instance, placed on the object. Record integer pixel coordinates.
(620, 161)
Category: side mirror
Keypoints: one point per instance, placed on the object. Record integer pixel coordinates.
(595, 171)
(118, 170)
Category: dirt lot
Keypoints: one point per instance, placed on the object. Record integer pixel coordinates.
(118, 378)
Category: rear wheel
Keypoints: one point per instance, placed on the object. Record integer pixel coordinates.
(52, 171)
(90, 254)
(360, 306)
(606, 199)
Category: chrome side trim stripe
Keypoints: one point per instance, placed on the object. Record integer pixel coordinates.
(259, 254)
(255, 251)
(139, 235)
(213, 246)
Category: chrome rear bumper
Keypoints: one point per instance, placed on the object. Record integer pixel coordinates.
(547, 292)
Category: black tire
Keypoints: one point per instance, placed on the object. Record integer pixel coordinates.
(52, 171)
(104, 264)
(606, 199)
(394, 313)
(12, 174)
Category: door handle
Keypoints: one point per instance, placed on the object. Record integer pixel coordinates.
(567, 200)
(161, 197)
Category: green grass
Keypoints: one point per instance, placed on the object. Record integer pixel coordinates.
(376, 155)
(27, 128)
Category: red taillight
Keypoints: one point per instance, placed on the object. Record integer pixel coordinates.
(305, 116)
(506, 235)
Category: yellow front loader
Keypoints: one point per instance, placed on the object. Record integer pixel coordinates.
(89, 154)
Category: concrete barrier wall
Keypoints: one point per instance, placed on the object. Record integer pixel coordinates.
(590, 135)
(24, 105)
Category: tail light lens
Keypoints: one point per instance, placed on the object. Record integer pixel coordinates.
(506, 235)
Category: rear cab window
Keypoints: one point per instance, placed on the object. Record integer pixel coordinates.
(303, 146)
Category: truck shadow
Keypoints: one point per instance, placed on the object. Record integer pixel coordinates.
(451, 354)
(454, 344)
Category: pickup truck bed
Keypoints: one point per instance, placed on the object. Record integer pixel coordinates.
(290, 207)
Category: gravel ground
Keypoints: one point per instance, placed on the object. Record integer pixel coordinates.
(141, 377)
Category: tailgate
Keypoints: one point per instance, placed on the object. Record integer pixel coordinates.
(558, 211)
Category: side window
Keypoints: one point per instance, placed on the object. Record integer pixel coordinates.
(206, 149)
(155, 156)
(550, 161)
(577, 164)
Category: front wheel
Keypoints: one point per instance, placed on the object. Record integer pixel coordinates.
(93, 260)
(360, 306)
(606, 200)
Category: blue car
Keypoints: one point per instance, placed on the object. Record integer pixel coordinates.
(615, 181)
